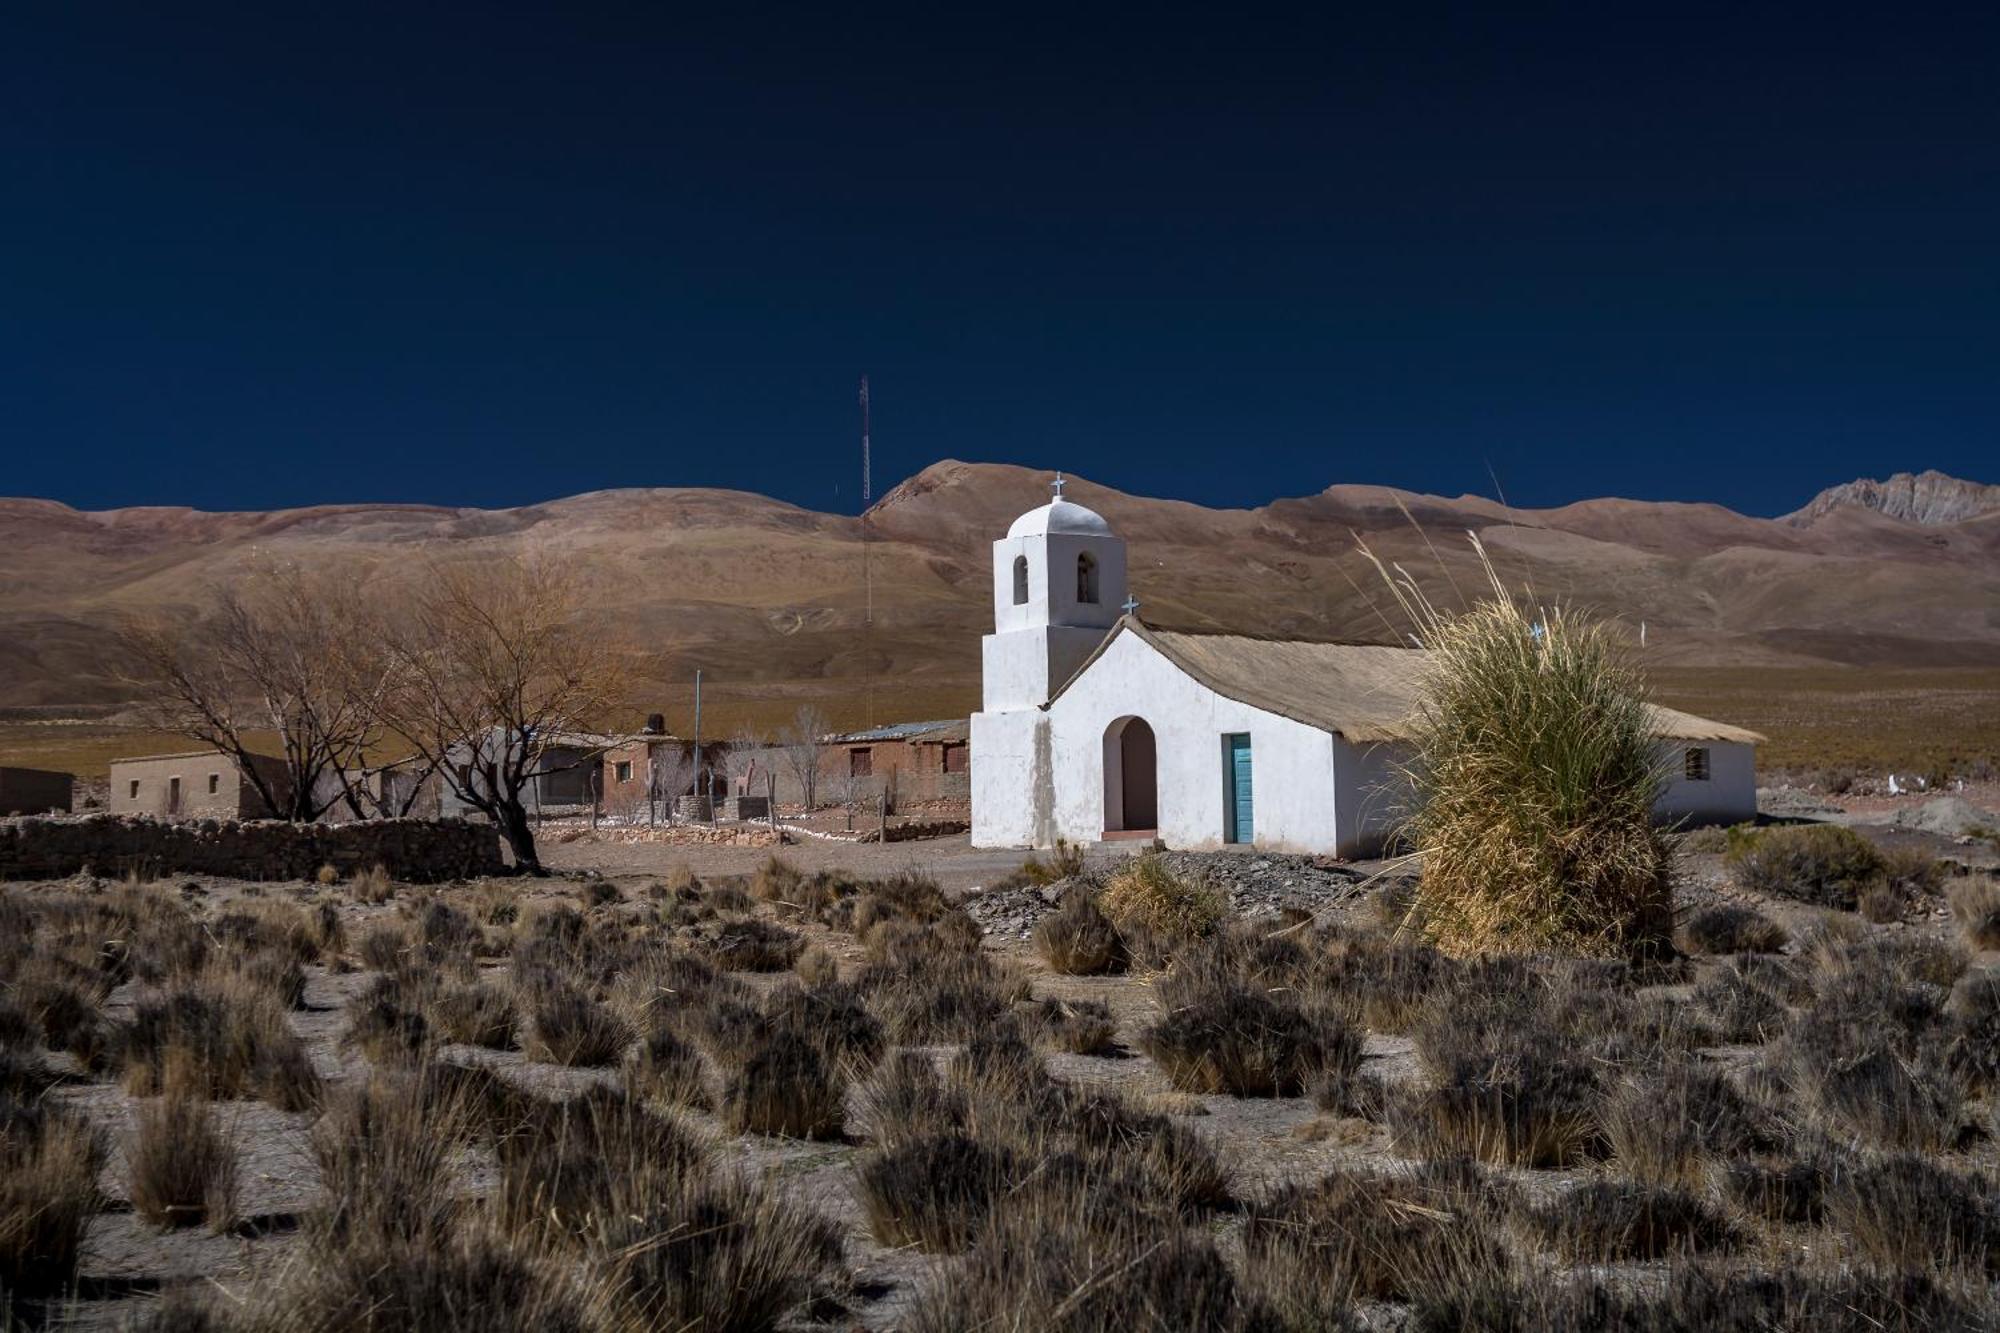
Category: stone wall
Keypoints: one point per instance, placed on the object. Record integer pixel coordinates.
(415, 850)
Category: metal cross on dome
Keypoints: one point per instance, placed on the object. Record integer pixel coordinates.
(1057, 485)
(1131, 607)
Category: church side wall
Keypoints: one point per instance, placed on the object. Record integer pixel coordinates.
(1292, 764)
(1729, 796)
(1374, 795)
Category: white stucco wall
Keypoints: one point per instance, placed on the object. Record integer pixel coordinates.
(1292, 764)
(1728, 797)
(1011, 796)
(1374, 795)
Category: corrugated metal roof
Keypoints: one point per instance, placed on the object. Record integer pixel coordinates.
(1366, 693)
(947, 729)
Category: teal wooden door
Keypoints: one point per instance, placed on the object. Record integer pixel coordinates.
(1238, 819)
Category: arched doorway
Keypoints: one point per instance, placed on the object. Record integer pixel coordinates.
(1131, 798)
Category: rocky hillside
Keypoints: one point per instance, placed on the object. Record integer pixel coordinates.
(769, 598)
(1922, 497)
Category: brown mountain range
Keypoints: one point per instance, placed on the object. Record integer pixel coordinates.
(771, 600)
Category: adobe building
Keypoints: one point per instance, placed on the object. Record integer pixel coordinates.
(35, 791)
(198, 784)
(919, 761)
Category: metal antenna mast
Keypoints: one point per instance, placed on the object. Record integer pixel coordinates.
(867, 494)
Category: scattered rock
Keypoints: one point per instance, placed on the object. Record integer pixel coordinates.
(1949, 815)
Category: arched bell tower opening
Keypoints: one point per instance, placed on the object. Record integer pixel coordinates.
(1020, 580)
(1086, 579)
(1131, 777)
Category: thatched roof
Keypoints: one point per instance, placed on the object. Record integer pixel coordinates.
(1363, 692)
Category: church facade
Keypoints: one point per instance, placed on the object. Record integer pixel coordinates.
(1096, 726)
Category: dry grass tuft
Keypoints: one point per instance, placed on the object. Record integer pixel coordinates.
(1730, 929)
(1534, 774)
(218, 1042)
(1145, 894)
(1079, 941)
(49, 1160)
(1247, 1043)
(1611, 1221)
(475, 1013)
(1975, 906)
(1909, 1214)
(785, 1087)
(566, 1027)
(1316, 1248)
(183, 1167)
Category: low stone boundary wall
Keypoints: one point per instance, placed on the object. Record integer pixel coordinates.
(935, 828)
(414, 850)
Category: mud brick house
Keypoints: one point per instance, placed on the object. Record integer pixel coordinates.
(919, 761)
(34, 791)
(647, 772)
(198, 784)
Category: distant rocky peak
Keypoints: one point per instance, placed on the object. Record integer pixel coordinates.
(1922, 497)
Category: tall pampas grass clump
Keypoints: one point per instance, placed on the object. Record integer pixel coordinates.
(1533, 774)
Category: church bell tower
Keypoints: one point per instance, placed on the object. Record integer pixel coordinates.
(1058, 588)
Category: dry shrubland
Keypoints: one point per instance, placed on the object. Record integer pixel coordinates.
(532, 1112)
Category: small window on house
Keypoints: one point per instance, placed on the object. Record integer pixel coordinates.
(860, 763)
(1020, 580)
(133, 793)
(954, 758)
(1696, 763)
(1086, 579)
(214, 783)
(623, 770)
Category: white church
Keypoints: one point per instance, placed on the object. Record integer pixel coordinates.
(1095, 726)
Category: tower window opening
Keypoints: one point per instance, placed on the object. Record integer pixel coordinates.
(1086, 579)
(1020, 580)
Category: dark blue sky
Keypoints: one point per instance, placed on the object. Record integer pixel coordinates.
(280, 254)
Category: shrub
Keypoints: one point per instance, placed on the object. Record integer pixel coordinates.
(183, 1168)
(373, 886)
(1973, 1036)
(385, 947)
(945, 999)
(776, 881)
(754, 945)
(1065, 861)
(1382, 983)
(1146, 894)
(1081, 1027)
(833, 1018)
(1975, 905)
(667, 1068)
(1785, 1192)
(784, 1087)
(600, 893)
(567, 1027)
(1663, 1127)
(1608, 1221)
(1315, 1248)
(1080, 941)
(1729, 929)
(1909, 1214)
(471, 1284)
(385, 1032)
(932, 1192)
(817, 967)
(1247, 1043)
(1048, 1263)
(217, 1043)
(49, 1160)
(1742, 1010)
(1828, 865)
(1534, 772)
(576, 1160)
(906, 1100)
(475, 1013)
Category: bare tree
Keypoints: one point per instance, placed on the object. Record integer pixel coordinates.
(798, 746)
(491, 669)
(851, 791)
(283, 653)
(673, 772)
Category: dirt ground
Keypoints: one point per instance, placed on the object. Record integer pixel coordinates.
(1266, 1140)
